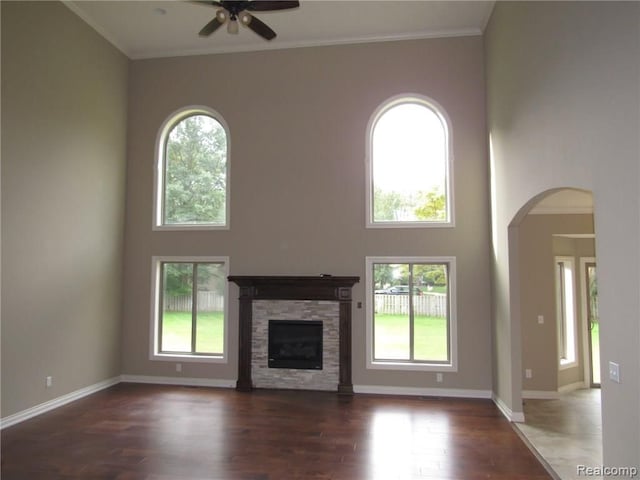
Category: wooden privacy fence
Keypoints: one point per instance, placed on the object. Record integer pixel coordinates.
(207, 302)
(428, 304)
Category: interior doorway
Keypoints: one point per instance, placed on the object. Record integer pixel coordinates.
(590, 289)
(559, 347)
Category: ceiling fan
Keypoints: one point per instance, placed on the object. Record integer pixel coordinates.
(234, 12)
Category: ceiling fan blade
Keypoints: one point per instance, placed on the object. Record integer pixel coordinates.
(259, 27)
(210, 27)
(206, 3)
(270, 5)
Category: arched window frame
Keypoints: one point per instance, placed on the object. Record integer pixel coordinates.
(159, 169)
(449, 194)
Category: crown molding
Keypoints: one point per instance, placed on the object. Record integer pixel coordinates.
(213, 50)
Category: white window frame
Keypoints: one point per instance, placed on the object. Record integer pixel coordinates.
(452, 365)
(159, 170)
(156, 281)
(449, 193)
(570, 307)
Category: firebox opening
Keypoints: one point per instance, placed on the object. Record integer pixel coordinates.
(295, 344)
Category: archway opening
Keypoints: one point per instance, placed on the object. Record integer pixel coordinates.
(553, 269)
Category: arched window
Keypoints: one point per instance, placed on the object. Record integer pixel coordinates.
(192, 187)
(409, 165)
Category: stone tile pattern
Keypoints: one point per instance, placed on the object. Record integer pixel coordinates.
(290, 378)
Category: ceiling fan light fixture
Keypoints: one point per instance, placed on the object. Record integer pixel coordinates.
(245, 18)
(221, 15)
(232, 26)
(234, 12)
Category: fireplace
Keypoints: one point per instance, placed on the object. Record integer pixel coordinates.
(295, 344)
(325, 298)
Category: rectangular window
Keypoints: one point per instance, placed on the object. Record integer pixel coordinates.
(189, 308)
(566, 311)
(410, 313)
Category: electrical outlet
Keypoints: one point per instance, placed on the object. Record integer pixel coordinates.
(178, 367)
(540, 319)
(49, 381)
(439, 377)
(528, 373)
(614, 372)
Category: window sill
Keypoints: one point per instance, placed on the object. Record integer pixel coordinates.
(410, 224)
(189, 227)
(411, 366)
(174, 357)
(565, 365)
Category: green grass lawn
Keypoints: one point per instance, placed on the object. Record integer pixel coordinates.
(392, 337)
(176, 332)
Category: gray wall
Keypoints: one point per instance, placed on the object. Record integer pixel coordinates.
(537, 249)
(563, 111)
(64, 103)
(297, 121)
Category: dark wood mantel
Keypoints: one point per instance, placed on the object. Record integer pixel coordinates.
(324, 288)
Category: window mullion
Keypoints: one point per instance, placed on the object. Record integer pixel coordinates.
(194, 307)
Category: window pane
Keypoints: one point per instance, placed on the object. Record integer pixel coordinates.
(391, 312)
(195, 177)
(566, 311)
(210, 315)
(430, 308)
(177, 281)
(409, 165)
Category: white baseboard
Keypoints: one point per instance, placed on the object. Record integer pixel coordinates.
(56, 402)
(551, 394)
(572, 387)
(517, 417)
(419, 391)
(223, 383)
(186, 382)
(540, 395)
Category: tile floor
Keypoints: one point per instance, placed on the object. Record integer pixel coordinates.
(567, 432)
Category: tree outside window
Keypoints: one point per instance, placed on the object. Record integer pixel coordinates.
(195, 173)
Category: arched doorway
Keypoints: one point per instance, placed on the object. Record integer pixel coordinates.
(554, 298)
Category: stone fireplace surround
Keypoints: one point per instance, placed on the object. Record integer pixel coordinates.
(320, 290)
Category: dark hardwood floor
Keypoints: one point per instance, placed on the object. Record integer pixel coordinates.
(132, 431)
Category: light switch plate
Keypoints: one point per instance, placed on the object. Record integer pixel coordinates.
(614, 372)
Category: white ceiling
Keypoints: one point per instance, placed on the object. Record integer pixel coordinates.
(147, 29)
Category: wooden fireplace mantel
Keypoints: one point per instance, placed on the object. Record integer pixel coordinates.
(323, 288)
